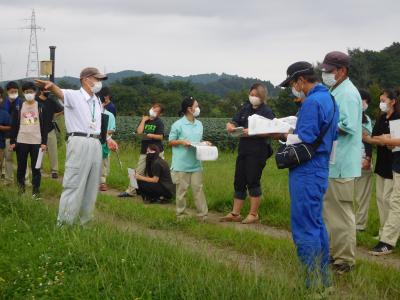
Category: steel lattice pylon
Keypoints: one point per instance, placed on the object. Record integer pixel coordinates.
(32, 68)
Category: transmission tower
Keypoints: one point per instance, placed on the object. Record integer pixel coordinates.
(32, 68)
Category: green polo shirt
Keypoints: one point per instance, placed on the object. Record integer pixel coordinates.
(347, 163)
(184, 158)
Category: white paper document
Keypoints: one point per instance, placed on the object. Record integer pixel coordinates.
(39, 159)
(262, 125)
(395, 132)
(293, 139)
(291, 120)
(132, 178)
(205, 152)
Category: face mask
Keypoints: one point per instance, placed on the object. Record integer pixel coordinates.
(254, 100)
(96, 87)
(152, 113)
(298, 94)
(196, 112)
(329, 79)
(29, 97)
(13, 96)
(365, 106)
(383, 107)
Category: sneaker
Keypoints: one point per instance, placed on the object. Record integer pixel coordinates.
(103, 187)
(36, 196)
(341, 269)
(54, 175)
(231, 217)
(124, 195)
(381, 249)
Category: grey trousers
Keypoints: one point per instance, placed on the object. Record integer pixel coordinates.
(81, 180)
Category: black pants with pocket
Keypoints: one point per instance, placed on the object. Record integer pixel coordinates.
(248, 172)
(23, 150)
(153, 190)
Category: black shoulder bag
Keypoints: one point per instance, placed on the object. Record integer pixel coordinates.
(290, 156)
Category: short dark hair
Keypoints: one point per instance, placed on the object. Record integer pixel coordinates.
(186, 103)
(12, 85)
(365, 96)
(28, 85)
(159, 105)
(391, 94)
(105, 91)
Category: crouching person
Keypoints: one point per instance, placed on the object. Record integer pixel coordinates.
(28, 136)
(156, 185)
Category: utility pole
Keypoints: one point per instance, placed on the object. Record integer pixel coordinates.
(32, 67)
(53, 62)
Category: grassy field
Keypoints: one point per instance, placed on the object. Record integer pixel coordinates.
(136, 251)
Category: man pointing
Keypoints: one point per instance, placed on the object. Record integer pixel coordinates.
(82, 111)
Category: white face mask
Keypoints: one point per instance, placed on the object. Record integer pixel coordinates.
(196, 112)
(329, 79)
(13, 96)
(298, 94)
(254, 100)
(29, 97)
(152, 113)
(383, 107)
(96, 87)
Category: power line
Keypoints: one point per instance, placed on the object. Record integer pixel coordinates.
(32, 67)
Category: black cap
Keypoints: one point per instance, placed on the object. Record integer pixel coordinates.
(334, 59)
(295, 70)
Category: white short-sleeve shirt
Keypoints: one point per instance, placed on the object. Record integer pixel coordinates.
(82, 112)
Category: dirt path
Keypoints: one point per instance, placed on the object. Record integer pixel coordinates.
(213, 218)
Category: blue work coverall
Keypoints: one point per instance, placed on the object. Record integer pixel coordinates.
(308, 183)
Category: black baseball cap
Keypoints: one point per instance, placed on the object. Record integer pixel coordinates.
(295, 70)
(334, 59)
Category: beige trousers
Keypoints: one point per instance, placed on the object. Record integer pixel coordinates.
(105, 169)
(81, 180)
(363, 188)
(140, 169)
(52, 150)
(8, 162)
(195, 180)
(340, 220)
(9, 165)
(391, 229)
(384, 188)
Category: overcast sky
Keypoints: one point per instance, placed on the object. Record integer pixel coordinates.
(252, 38)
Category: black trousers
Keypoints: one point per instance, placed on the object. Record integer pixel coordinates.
(23, 150)
(248, 172)
(153, 190)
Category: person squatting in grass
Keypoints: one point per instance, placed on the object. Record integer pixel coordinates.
(308, 181)
(186, 169)
(151, 127)
(83, 121)
(156, 185)
(253, 153)
(28, 136)
(390, 232)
